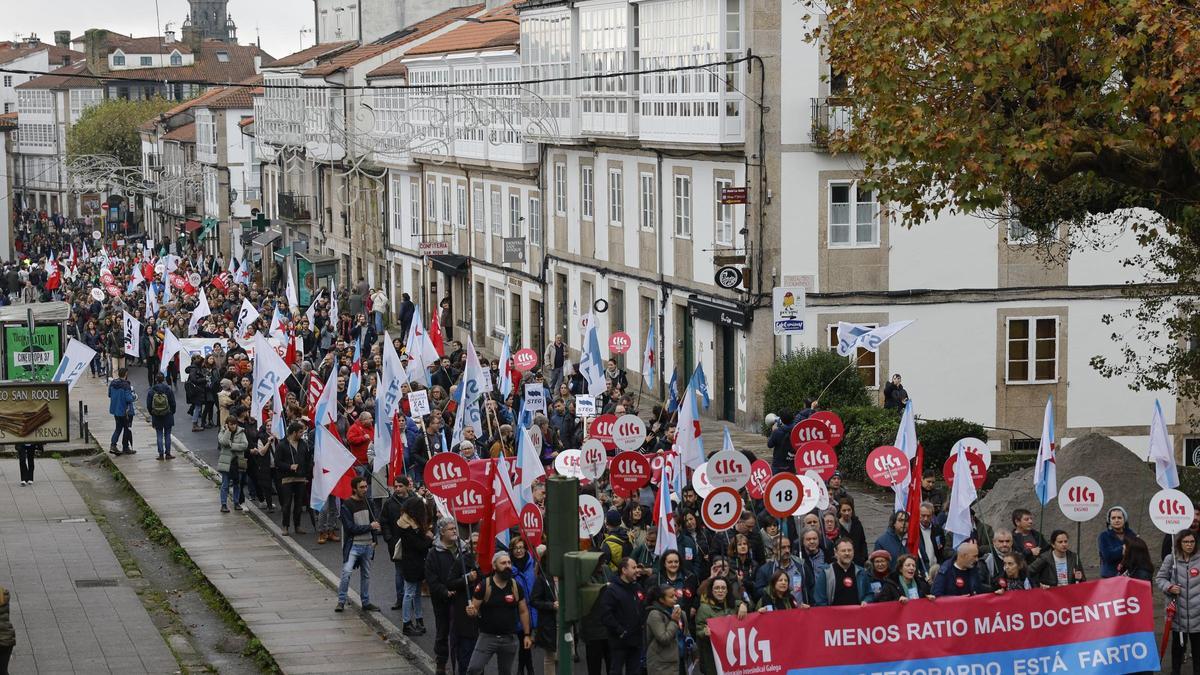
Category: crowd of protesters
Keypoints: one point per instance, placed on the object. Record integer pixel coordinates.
(652, 615)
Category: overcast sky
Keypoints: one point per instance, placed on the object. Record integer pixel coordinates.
(278, 21)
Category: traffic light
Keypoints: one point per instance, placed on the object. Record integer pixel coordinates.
(580, 587)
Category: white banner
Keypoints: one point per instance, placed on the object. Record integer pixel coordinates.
(75, 360)
(418, 402)
(535, 397)
(133, 335)
(585, 406)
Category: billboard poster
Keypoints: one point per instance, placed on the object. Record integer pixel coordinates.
(33, 412)
(36, 361)
(306, 279)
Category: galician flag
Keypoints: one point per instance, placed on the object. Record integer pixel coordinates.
(664, 515)
(906, 441)
(1161, 451)
(648, 358)
(962, 495)
(1045, 474)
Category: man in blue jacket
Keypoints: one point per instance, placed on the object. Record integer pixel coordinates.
(895, 539)
(843, 582)
(959, 576)
(120, 406)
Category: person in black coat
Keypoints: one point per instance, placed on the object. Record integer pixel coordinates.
(545, 601)
(894, 395)
(162, 422)
(852, 529)
(293, 460)
(783, 455)
(415, 540)
(622, 614)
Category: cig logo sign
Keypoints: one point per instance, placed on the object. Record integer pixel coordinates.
(743, 648)
(1081, 494)
(886, 463)
(1171, 507)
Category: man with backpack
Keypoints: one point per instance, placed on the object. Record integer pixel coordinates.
(615, 544)
(161, 406)
(498, 604)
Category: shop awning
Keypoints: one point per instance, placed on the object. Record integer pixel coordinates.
(267, 238)
(454, 265)
(191, 225)
(720, 312)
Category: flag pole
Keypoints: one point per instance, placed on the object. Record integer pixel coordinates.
(852, 364)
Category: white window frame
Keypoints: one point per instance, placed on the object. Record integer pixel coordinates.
(648, 213)
(414, 203)
(499, 309)
(460, 194)
(146, 61)
(683, 206)
(397, 205)
(832, 344)
(724, 227)
(514, 215)
(852, 223)
(431, 200)
(8, 81)
(479, 208)
(445, 212)
(535, 221)
(497, 216)
(1032, 341)
(560, 188)
(616, 197)
(587, 183)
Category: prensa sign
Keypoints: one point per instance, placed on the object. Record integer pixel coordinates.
(34, 412)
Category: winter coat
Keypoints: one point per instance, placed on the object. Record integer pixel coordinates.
(120, 398)
(286, 455)
(231, 448)
(662, 641)
(703, 644)
(541, 600)
(525, 576)
(856, 534)
(824, 593)
(1112, 549)
(1043, 571)
(414, 545)
(890, 541)
(890, 589)
(1187, 603)
(164, 421)
(8, 635)
(621, 612)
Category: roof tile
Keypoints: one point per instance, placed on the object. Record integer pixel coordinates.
(310, 54)
(497, 29)
(411, 34)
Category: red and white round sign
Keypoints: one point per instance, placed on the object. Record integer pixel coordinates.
(760, 473)
(978, 470)
(837, 431)
(591, 516)
(809, 430)
(822, 490)
(1171, 511)
(1080, 498)
(567, 463)
(593, 459)
(887, 465)
(619, 342)
(663, 461)
(974, 446)
(531, 525)
(628, 473)
(812, 494)
(601, 429)
(728, 468)
(816, 456)
(700, 482)
(446, 474)
(783, 495)
(629, 432)
(467, 505)
(721, 509)
(525, 359)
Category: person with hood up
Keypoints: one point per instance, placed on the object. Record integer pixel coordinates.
(1111, 541)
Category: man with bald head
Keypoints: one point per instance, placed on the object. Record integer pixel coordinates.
(960, 575)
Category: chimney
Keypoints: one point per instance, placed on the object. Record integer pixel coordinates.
(94, 41)
(62, 38)
(169, 36)
(33, 40)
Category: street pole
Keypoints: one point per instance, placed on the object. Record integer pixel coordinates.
(562, 530)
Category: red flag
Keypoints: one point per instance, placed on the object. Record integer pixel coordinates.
(435, 336)
(148, 271)
(487, 532)
(290, 356)
(315, 387)
(914, 504)
(396, 467)
(221, 282)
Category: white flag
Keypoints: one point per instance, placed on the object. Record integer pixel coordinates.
(420, 350)
(331, 461)
(387, 400)
(199, 313)
(1161, 451)
(133, 335)
(246, 317)
(171, 347)
(1045, 469)
(688, 442)
(151, 303)
(906, 441)
(74, 361)
(333, 306)
(530, 464)
(473, 377)
(962, 495)
(851, 336)
(293, 298)
(311, 312)
(269, 373)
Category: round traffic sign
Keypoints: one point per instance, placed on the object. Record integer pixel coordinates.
(812, 494)
(700, 482)
(728, 468)
(446, 474)
(837, 431)
(809, 430)
(467, 505)
(531, 525)
(601, 429)
(816, 456)
(628, 473)
(974, 446)
(525, 359)
(783, 494)
(760, 473)
(629, 432)
(1080, 498)
(822, 490)
(721, 509)
(593, 459)
(567, 463)
(1171, 511)
(619, 342)
(978, 470)
(591, 516)
(887, 466)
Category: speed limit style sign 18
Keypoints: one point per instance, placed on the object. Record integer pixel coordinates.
(721, 509)
(783, 495)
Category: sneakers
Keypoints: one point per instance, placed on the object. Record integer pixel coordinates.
(341, 607)
(371, 607)
(131, 451)
(238, 507)
(420, 626)
(408, 628)
(112, 450)
(170, 456)
(23, 484)
(224, 509)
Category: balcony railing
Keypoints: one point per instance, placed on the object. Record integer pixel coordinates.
(830, 117)
(296, 207)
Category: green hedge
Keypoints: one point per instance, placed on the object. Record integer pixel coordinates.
(868, 427)
(804, 373)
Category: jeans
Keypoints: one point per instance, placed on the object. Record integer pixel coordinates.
(555, 379)
(362, 554)
(232, 477)
(124, 423)
(291, 499)
(504, 647)
(412, 600)
(378, 322)
(197, 409)
(162, 437)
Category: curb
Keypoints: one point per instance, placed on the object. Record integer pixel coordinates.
(409, 650)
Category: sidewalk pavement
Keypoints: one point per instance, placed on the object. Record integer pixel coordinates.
(280, 600)
(73, 608)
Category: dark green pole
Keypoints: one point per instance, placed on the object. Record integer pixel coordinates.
(562, 536)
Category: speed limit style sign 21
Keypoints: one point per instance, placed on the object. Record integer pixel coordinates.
(721, 509)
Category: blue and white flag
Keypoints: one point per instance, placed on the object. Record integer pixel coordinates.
(1045, 473)
(851, 336)
(906, 441)
(699, 384)
(673, 391)
(354, 383)
(387, 400)
(1161, 451)
(75, 360)
(648, 358)
(473, 379)
(506, 384)
(590, 363)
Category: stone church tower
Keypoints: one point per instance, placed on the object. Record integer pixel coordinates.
(209, 19)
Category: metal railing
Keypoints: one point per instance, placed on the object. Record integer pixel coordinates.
(296, 207)
(830, 117)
